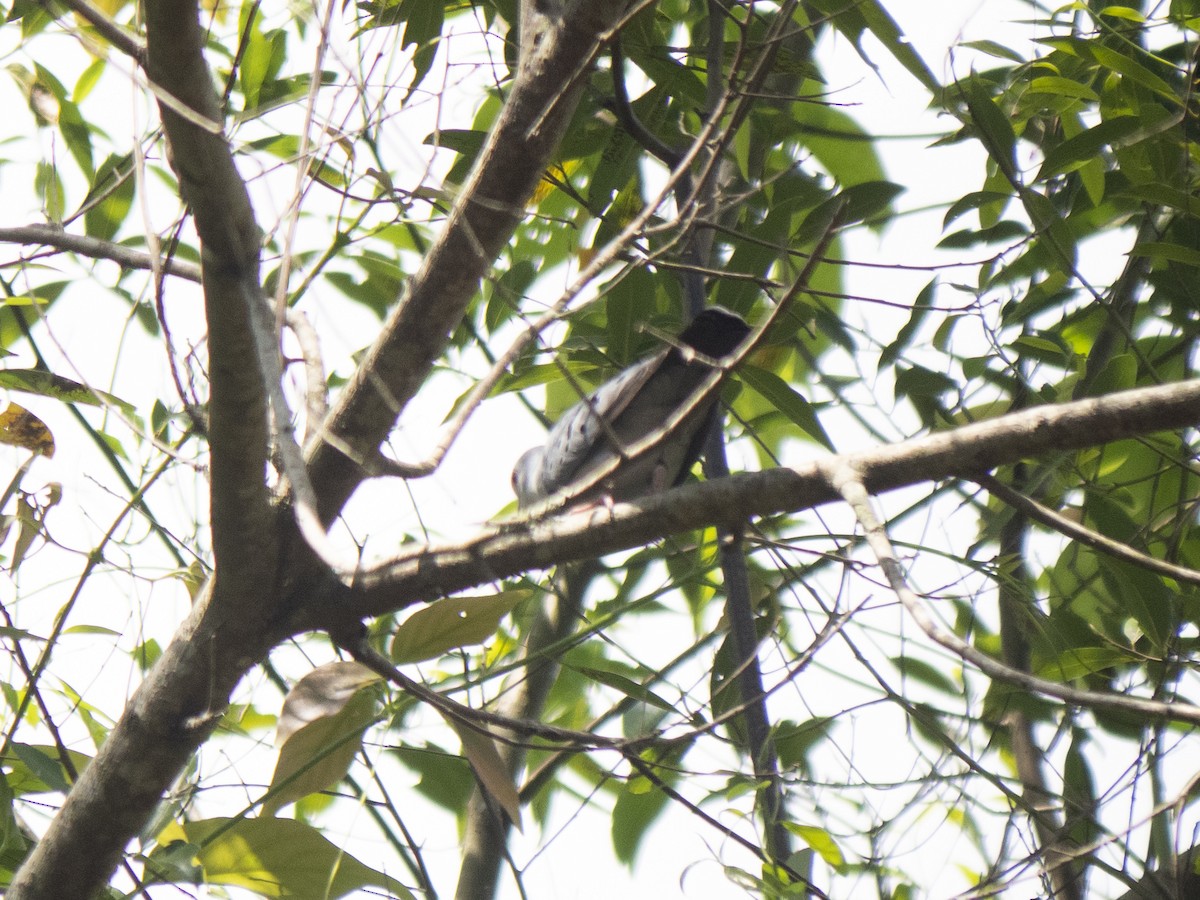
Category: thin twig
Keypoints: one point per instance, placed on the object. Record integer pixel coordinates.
(845, 479)
(316, 394)
(1084, 535)
(108, 29)
(53, 236)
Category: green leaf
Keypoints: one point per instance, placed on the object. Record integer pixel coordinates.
(783, 397)
(445, 777)
(1075, 152)
(423, 29)
(972, 201)
(110, 198)
(23, 778)
(47, 384)
(39, 769)
(931, 676)
(921, 307)
(633, 813)
(1110, 58)
(49, 189)
(1143, 596)
(450, 623)
(821, 841)
(794, 741)
(629, 687)
(1169, 252)
(842, 146)
(1081, 661)
(995, 130)
(855, 17)
(991, 48)
(1063, 87)
(273, 858)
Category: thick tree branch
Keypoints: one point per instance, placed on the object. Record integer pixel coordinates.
(557, 46)
(230, 238)
(509, 548)
(177, 706)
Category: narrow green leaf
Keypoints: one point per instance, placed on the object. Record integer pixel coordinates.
(787, 400)
(995, 129)
(991, 48)
(629, 687)
(1081, 661)
(1169, 252)
(42, 765)
(921, 307)
(1063, 87)
(47, 384)
(1110, 58)
(1083, 147)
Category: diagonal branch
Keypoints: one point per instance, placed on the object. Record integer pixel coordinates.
(556, 48)
(105, 27)
(1081, 534)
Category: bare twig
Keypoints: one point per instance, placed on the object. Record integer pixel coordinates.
(848, 480)
(107, 28)
(53, 236)
(1084, 535)
(316, 393)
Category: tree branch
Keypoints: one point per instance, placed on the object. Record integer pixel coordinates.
(106, 27)
(556, 49)
(508, 548)
(230, 239)
(177, 706)
(94, 248)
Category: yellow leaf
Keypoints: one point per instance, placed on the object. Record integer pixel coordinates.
(22, 428)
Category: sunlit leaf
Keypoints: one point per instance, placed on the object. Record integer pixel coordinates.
(274, 858)
(821, 841)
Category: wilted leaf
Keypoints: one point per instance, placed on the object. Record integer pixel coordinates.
(320, 731)
(20, 427)
(274, 858)
(489, 768)
(453, 622)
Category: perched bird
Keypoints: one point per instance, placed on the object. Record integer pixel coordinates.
(589, 447)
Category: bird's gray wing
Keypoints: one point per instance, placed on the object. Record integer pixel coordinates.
(590, 446)
(580, 434)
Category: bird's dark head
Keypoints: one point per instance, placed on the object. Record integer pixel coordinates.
(715, 332)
